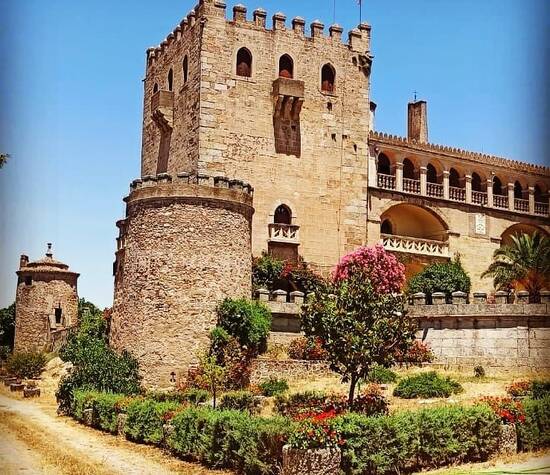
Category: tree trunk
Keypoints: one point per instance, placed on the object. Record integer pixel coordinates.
(352, 384)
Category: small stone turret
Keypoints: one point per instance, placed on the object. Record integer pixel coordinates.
(418, 121)
(46, 303)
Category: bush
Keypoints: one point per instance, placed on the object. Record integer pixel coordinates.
(266, 272)
(146, 419)
(534, 433)
(446, 277)
(248, 321)
(519, 388)
(540, 389)
(426, 385)
(411, 441)
(191, 395)
(273, 386)
(370, 401)
(479, 371)
(105, 407)
(304, 348)
(418, 353)
(26, 364)
(5, 352)
(7, 326)
(230, 439)
(381, 375)
(240, 401)
(508, 410)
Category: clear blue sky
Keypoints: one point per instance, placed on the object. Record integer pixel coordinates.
(71, 96)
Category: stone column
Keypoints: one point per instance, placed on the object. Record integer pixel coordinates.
(446, 174)
(373, 172)
(511, 196)
(423, 181)
(490, 192)
(468, 188)
(531, 200)
(399, 176)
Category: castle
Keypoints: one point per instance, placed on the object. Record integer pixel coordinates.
(259, 139)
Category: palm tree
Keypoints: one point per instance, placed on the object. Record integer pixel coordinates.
(525, 261)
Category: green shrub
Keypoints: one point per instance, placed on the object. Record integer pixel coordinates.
(248, 321)
(426, 385)
(230, 439)
(446, 277)
(411, 441)
(26, 364)
(191, 395)
(304, 348)
(534, 433)
(479, 371)
(105, 407)
(81, 400)
(381, 375)
(145, 419)
(240, 401)
(5, 352)
(7, 326)
(540, 389)
(266, 272)
(273, 386)
(291, 405)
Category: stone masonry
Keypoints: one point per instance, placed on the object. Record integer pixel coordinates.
(46, 303)
(183, 247)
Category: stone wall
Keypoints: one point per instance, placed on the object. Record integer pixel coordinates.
(263, 369)
(183, 248)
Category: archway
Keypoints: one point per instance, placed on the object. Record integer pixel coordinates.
(414, 221)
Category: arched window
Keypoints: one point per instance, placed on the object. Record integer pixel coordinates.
(155, 88)
(431, 174)
(283, 215)
(518, 190)
(244, 63)
(454, 178)
(476, 182)
(497, 186)
(185, 67)
(170, 79)
(408, 169)
(539, 198)
(286, 67)
(328, 77)
(384, 166)
(386, 227)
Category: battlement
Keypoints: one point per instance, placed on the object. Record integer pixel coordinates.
(358, 38)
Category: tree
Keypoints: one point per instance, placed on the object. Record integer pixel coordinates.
(3, 159)
(525, 261)
(7, 326)
(213, 374)
(360, 323)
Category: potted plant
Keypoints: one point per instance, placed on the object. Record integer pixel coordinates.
(313, 447)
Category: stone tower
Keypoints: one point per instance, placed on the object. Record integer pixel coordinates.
(283, 106)
(46, 303)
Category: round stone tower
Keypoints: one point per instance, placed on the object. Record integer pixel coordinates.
(184, 246)
(46, 303)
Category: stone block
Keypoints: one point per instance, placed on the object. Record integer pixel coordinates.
(501, 297)
(459, 297)
(324, 461)
(480, 297)
(262, 295)
(31, 392)
(419, 298)
(545, 296)
(297, 297)
(508, 439)
(279, 295)
(16, 387)
(88, 417)
(121, 424)
(522, 297)
(439, 298)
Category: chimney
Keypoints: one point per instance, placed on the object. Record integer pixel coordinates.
(418, 121)
(49, 252)
(23, 261)
(372, 114)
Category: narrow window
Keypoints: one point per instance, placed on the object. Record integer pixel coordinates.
(286, 67)
(454, 178)
(244, 63)
(476, 182)
(518, 190)
(386, 227)
(185, 69)
(408, 169)
(58, 315)
(28, 280)
(328, 76)
(539, 198)
(384, 165)
(155, 88)
(283, 215)
(170, 79)
(497, 186)
(431, 174)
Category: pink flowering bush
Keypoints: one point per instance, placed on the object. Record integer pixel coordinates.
(386, 273)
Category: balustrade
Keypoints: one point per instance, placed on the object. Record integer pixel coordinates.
(412, 245)
(434, 190)
(479, 198)
(521, 205)
(457, 194)
(500, 201)
(541, 208)
(411, 186)
(386, 181)
(284, 232)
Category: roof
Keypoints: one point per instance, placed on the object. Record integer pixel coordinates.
(46, 264)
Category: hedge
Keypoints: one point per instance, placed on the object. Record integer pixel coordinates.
(534, 433)
(105, 406)
(240, 400)
(146, 418)
(230, 439)
(426, 385)
(410, 441)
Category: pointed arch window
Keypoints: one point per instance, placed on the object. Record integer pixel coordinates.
(244, 63)
(328, 78)
(283, 215)
(454, 178)
(476, 182)
(518, 190)
(384, 166)
(286, 67)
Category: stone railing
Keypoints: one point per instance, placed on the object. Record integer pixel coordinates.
(434, 190)
(284, 233)
(426, 247)
(521, 205)
(499, 298)
(479, 197)
(500, 201)
(386, 181)
(411, 186)
(457, 194)
(541, 208)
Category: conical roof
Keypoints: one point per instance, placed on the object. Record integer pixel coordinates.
(46, 264)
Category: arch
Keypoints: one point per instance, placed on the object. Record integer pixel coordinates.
(415, 221)
(283, 215)
(386, 227)
(408, 169)
(185, 69)
(286, 67)
(477, 184)
(244, 63)
(518, 190)
(539, 195)
(328, 78)
(156, 88)
(384, 164)
(170, 80)
(520, 228)
(431, 174)
(497, 186)
(454, 178)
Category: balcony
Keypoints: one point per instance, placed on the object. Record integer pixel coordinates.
(411, 186)
(457, 194)
(500, 201)
(479, 198)
(410, 245)
(284, 233)
(541, 209)
(386, 181)
(435, 190)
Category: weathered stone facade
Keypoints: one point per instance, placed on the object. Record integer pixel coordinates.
(46, 303)
(183, 247)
